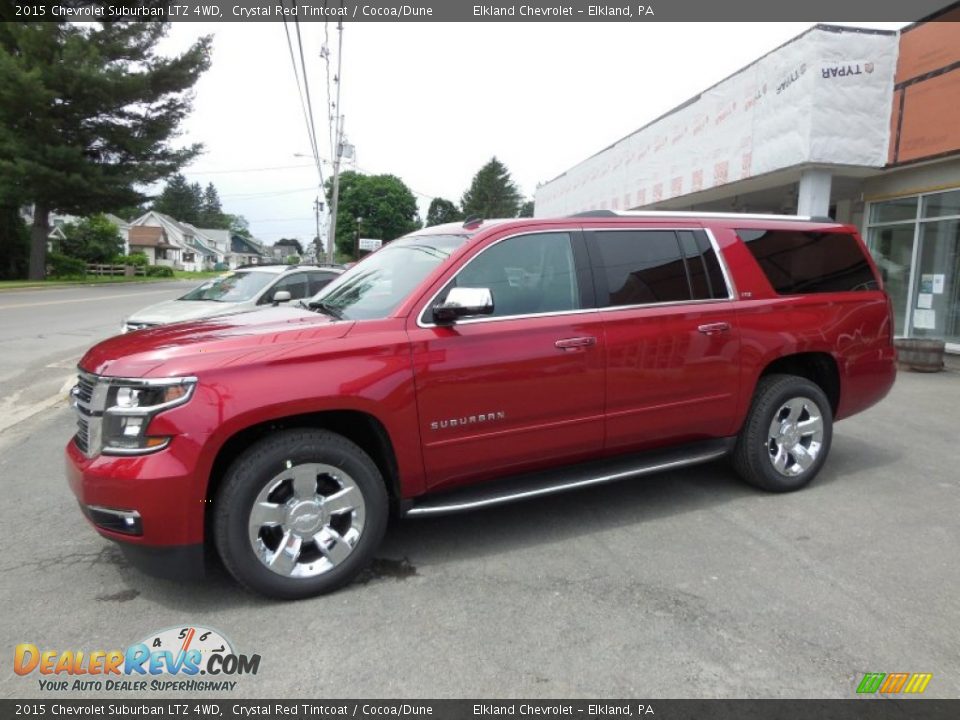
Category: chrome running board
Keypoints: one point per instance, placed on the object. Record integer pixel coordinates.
(574, 477)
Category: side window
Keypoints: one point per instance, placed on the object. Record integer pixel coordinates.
(295, 284)
(797, 262)
(526, 274)
(706, 278)
(316, 281)
(640, 267)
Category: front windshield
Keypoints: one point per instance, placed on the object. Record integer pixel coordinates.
(235, 287)
(375, 287)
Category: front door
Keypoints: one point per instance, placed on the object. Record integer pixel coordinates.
(520, 389)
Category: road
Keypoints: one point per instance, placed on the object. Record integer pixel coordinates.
(685, 584)
(44, 333)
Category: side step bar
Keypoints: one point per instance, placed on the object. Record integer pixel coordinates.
(574, 477)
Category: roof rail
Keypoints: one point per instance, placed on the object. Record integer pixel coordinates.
(701, 214)
(472, 221)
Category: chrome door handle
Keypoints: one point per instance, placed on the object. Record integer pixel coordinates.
(714, 328)
(575, 342)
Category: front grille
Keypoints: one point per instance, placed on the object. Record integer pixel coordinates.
(85, 385)
(82, 438)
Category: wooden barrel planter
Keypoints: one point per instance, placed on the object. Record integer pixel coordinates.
(920, 354)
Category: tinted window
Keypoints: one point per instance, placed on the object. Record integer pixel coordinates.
(525, 274)
(809, 262)
(316, 281)
(296, 285)
(641, 267)
(706, 279)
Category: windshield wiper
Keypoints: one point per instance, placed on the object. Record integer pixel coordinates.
(326, 308)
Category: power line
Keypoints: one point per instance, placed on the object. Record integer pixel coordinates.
(306, 116)
(306, 86)
(244, 170)
(292, 191)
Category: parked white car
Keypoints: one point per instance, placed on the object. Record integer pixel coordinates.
(238, 291)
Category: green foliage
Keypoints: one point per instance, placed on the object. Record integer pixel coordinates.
(136, 259)
(211, 213)
(237, 225)
(93, 239)
(87, 112)
(62, 266)
(180, 200)
(386, 205)
(442, 211)
(291, 244)
(14, 243)
(159, 271)
(492, 194)
(526, 210)
(292, 260)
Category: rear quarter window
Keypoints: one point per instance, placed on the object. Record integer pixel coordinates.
(800, 262)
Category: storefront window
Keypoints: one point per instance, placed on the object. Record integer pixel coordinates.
(919, 260)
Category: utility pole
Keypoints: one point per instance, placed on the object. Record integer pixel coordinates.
(318, 208)
(337, 150)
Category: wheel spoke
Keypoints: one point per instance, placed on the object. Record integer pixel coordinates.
(284, 560)
(812, 426)
(332, 545)
(304, 482)
(803, 458)
(796, 408)
(780, 459)
(342, 501)
(267, 514)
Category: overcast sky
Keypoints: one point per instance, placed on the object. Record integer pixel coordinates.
(432, 102)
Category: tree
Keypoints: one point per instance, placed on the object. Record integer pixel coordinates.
(181, 200)
(93, 239)
(87, 113)
(211, 213)
(526, 210)
(442, 211)
(14, 241)
(386, 206)
(237, 225)
(492, 194)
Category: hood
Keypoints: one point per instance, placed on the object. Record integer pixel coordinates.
(188, 348)
(179, 310)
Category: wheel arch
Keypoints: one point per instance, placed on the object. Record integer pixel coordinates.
(819, 368)
(361, 428)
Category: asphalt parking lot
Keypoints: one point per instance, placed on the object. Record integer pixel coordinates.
(687, 584)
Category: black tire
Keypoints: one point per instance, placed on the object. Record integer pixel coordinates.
(256, 470)
(756, 449)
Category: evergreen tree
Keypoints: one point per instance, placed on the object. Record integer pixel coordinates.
(211, 213)
(526, 210)
(181, 200)
(492, 194)
(87, 112)
(442, 211)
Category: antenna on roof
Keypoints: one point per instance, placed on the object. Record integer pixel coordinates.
(472, 222)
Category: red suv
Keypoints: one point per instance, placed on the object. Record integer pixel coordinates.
(468, 365)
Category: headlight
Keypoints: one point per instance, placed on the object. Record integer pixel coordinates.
(131, 405)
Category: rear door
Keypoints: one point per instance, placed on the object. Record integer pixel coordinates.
(673, 345)
(523, 388)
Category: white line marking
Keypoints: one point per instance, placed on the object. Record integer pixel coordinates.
(79, 300)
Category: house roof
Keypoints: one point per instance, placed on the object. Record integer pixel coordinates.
(240, 244)
(148, 236)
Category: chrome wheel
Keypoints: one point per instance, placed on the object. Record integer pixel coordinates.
(306, 520)
(795, 437)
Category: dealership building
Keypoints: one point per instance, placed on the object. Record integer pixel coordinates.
(861, 125)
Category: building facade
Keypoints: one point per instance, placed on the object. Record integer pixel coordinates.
(861, 125)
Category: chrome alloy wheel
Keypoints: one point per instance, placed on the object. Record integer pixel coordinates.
(795, 436)
(306, 520)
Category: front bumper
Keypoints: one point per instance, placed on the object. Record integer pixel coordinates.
(147, 503)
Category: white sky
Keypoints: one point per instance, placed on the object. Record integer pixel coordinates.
(432, 102)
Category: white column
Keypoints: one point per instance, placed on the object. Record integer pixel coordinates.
(814, 195)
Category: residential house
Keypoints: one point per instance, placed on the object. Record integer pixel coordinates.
(152, 241)
(245, 251)
(189, 248)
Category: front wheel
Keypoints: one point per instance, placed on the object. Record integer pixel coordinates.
(787, 435)
(300, 513)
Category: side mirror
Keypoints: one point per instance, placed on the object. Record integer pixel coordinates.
(463, 302)
(281, 296)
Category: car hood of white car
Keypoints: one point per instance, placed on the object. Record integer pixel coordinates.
(180, 310)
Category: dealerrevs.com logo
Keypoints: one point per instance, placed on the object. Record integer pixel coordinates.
(172, 659)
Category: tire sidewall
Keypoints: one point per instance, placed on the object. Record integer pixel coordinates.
(249, 474)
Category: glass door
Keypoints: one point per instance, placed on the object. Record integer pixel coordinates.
(936, 304)
(892, 249)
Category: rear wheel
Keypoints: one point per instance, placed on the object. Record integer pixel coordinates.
(787, 435)
(300, 513)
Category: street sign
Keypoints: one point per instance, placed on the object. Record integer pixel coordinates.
(370, 244)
